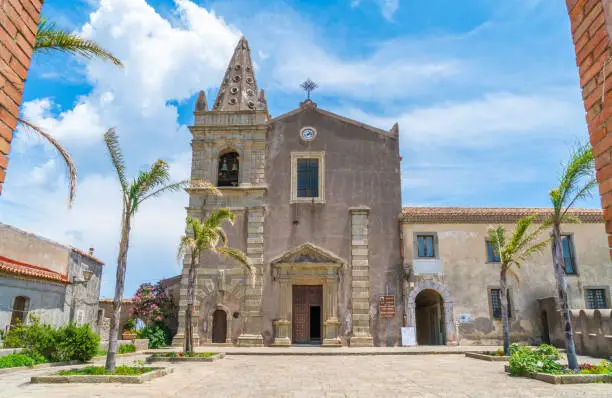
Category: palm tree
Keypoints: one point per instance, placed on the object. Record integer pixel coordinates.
(576, 183)
(148, 184)
(512, 252)
(201, 237)
(50, 39)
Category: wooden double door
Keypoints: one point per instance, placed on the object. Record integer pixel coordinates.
(307, 314)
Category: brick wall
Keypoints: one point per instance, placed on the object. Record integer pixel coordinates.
(591, 22)
(18, 23)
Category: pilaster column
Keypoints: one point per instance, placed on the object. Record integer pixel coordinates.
(360, 273)
(331, 326)
(282, 325)
(251, 310)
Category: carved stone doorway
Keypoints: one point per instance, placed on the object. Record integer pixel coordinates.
(219, 334)
(430, 318)
(307, 303)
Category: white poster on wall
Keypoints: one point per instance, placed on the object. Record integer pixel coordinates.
(408, 336)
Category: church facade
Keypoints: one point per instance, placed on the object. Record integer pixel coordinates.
(317, 199)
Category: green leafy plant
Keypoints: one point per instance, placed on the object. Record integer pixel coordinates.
(122, 370)
(513, 347)
(129, 325)
(18, 359)
(499, 352)
(157, 335)
(127, 348)
(192, 354)
(603, 368)
(548, 350)
(78, 343)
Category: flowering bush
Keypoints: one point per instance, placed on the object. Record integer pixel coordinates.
(603, 368)
(152, 304)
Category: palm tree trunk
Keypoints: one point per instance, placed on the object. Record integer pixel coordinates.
(504, 308)
(561, 278)
(190, 301)
(119, 286)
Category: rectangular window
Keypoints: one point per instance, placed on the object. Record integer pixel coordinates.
(425, 246)
(596, 299)
(495, 297)
(568, 254)
(492, 255)
(307, 178)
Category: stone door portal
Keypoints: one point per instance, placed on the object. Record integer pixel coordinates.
(219, 326)
(307, 303)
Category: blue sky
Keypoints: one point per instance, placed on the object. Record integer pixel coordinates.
(486, 94)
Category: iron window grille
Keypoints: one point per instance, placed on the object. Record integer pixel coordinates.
(496, 304)
(596, 299)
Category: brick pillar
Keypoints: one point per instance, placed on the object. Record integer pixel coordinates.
(18, 25)
(251, 311)
(591, 22)
(360, 273)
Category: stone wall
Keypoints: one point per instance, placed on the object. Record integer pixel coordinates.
(591, 22)
(18, 26)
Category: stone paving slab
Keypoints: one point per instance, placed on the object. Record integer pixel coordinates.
(316, 376)
(318, 350)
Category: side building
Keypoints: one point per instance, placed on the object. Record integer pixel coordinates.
(452, 275)
(55, 282)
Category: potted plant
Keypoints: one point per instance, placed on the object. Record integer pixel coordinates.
(128, 330)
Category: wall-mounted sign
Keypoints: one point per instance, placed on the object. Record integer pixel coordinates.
(464, 318)
(386, 306)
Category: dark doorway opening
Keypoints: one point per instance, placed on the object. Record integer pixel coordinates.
(545, 333)
(430, 322)
(219, 333)
(315, 322)
(307, 303)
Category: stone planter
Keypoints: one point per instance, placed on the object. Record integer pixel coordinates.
(186, 359)
(567, 379)
(128, 336)
(56, 379)
(41, 366)
(486, 357)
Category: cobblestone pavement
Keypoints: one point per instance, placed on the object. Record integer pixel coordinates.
(316, 376)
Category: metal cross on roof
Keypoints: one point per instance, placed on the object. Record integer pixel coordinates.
(309, 86)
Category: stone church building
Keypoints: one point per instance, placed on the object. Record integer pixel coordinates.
(317, 198)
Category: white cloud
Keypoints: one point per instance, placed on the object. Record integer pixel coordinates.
(388, 8)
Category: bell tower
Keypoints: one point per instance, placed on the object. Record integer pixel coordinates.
(228, 151)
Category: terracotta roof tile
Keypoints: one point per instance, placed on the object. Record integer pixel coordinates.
(82, 253)
(17, 267)
(476, 215)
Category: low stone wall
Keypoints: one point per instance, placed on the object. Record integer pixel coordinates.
(592, 329)
(141, 344)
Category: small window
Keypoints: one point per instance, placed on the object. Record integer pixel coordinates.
(568, 254)
(495, 297)
(596, 299)
(20, 310)
(229, 168)
(492, 255)
(308, 178)
(425, 246)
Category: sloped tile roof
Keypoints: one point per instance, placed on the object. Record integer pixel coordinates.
(484, 215)
(82, 253)
(18, 268)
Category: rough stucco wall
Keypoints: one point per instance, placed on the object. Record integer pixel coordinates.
(85, 296)
(126, 308)
(32, 249)
(46, 300)
(591, 24)
(362, 168)
(18, 27)
(468, 276)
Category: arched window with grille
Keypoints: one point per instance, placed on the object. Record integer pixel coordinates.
(20, 310)
(229, 168)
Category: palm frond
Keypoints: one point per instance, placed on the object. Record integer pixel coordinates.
(531, 250)
(497, 237)
(222, 235)
(111, 139)
(201, 184)
(218, 216)
(585, 192)
(174, 187)
(515, 276)
(50, 38)
(581, 165)
(186, 243)
(236, 255)
(72, 171)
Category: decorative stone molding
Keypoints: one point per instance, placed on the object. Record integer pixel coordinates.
(320, 156)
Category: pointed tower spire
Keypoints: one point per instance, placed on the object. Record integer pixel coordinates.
(201, 103)
(238, 91)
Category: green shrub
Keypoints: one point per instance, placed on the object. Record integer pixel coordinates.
(526, 360)
(513, 347)
(78, 343)
(158, 336)
(122, 370)
(18, 359)
(129, 325)
(547, 349)
(126, 349)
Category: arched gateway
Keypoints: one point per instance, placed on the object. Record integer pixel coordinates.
(429, 309)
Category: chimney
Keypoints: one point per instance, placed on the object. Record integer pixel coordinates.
(91, 251)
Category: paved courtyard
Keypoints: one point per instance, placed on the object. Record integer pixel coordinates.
(316, 376)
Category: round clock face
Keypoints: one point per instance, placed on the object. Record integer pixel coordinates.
(308, 134)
